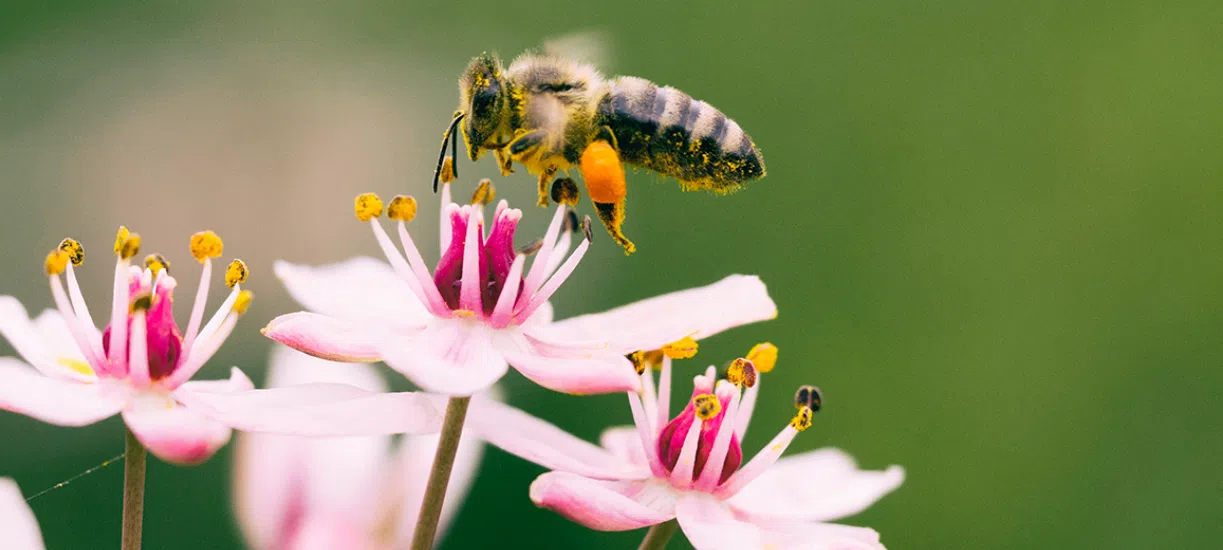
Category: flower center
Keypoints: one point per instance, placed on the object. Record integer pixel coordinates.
(494, 254)
(710, 411)
(164, 340)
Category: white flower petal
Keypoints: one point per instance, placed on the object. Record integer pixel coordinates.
(819, 485)
(625, 443)
(358, 289)
(174, 433)
(17, 521)
(24, 390)
(450, 357)
(605, 505)
(710, 524)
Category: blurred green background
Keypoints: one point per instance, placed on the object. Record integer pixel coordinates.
(992, 230)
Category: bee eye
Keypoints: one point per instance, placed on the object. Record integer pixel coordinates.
(484, 100)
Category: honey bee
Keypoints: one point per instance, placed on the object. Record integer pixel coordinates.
(550, 114)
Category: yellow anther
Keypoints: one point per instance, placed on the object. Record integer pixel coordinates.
(206, 244)
(243, 302)
(76, 365)
(802, 420)
(127, 244)
(402, 208)
(236, 273)
(57, 262)
(809, 397)
(637, 358)
(368, 206)
(75, 251)
(447, 174)
(565, 191)
(763, 356)
(706, 406)
(683, 348)
(741, 373)
(485, 193)
(156, 263)
(464, 313)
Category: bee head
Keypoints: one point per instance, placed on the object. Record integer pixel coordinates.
(485, 97)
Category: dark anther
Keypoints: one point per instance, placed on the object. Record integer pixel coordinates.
(808, 396)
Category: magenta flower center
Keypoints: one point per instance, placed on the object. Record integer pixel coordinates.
(671, 442)
(496, 255)
(164, 340)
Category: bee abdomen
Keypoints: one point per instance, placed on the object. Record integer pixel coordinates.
(663, 129)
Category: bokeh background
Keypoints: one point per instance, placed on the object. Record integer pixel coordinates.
(992, 229)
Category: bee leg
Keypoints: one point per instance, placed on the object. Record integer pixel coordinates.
(545, 183)
(504, 161)
(612, 216)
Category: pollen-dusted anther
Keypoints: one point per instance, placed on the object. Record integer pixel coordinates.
(763, 356)
(236, 273)
(367, 206)
(485, 193)
(402, 208)
(706, 406)
(142, 302)
(206, 244)
(741, 373)
(638, 359)
(684, 348)
(802, 420)
(57, 262)
(531, 247)
(565, 191)
(571, 223)
(809, 397)
(156, 263)
(75, 251)
(243, 302)
(590, 237)
(447, 173)
(127, 244)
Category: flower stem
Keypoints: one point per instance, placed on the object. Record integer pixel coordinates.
(439, 476)
(133, 493)
(659, 535)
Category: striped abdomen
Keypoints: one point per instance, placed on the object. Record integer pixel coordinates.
(663, 129)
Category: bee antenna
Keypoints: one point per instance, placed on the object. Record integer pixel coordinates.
(450, 139)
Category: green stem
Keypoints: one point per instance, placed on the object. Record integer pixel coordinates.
(439, 476)
(133, 493)
(659, 535)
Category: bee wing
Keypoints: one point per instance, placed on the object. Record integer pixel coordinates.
(590, 46)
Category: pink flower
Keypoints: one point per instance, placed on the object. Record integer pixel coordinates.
(137, 366)
(360, 493)
(17, 521)
(457, 329)
(691, 467)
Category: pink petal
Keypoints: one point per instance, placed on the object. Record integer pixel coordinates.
(533, 439)
(40, 342)
(819, 485)
(358, 289)
(325, 337)
(328, 533)
(604, 505)
(450, 357)
(710, 524)
(696, 312)
(24, 390)
(320, 409)
(596, 374)
(819, 536)
(17, 521)
(174, 433)
(411, 471)
(624, 443)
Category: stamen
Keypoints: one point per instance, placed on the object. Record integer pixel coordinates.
(684, 348)
(447, 173)
(57, 261)
(637, 358)
(416, 272)
(243, 302)
(74, 249)
(142, 302)
(531, 247)
(565, 191)
(586, 231)
(664, 395)
(127, 244)
(367, 206)
(138, 360)
(205, 245)
(763, 356)
(402, 208)
(716, 467)
(802, 420)
(549, 288)
(648, 439)
(484, 194)
(706, 406)
(504, 309)
(741, 373)
(470, 293)
(809, 397)
(539, 272)
(156, 263)
(681, 473)
(236, 273)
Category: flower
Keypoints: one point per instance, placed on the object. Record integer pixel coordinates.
(17, 521)
(296, 493)
(691, 467)
(138, 365)
(456, 330)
